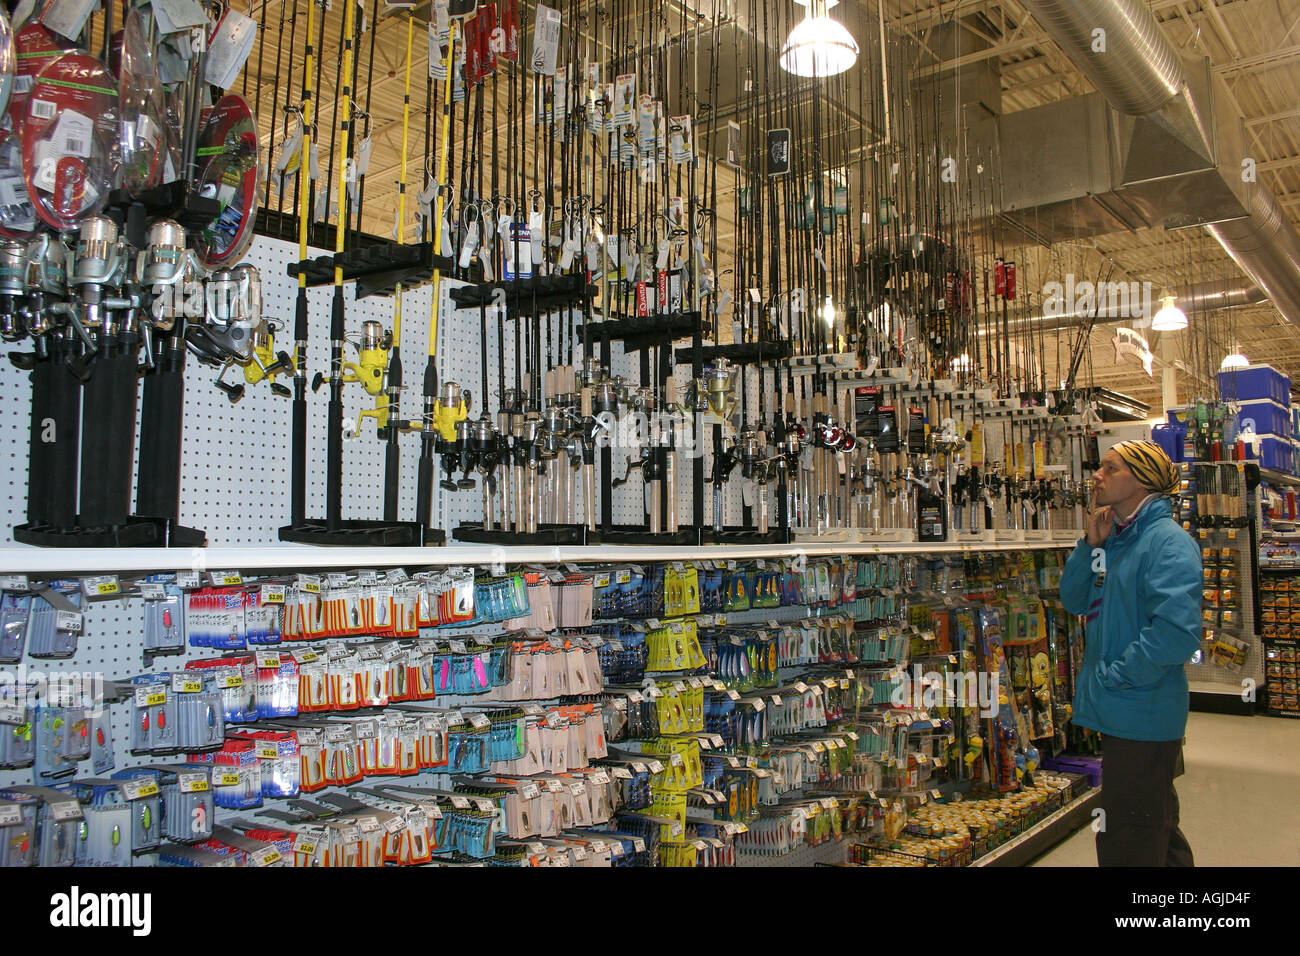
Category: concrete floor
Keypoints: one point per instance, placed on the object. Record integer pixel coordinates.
(1239, 796)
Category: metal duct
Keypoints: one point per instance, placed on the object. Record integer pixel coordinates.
(1200, 296)
(1139, 74)
(1137, 70)
(1266, 247)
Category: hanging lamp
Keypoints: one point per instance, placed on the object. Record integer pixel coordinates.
(818, 46)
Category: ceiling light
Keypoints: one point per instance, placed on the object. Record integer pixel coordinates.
(1170, 318)
(1235, 360)
(818, 45)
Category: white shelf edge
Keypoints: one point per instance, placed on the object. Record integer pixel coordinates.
(54, 561)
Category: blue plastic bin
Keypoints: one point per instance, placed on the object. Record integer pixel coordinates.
(1254, 383)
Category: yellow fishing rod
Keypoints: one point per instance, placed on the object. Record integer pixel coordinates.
(298, 468)
(436, 420)
(334, 438)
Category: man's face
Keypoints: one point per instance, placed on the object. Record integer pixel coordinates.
(1114, 482)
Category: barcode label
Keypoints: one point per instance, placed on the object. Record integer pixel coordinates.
(76, 147)
(42, 109)
(23, 84)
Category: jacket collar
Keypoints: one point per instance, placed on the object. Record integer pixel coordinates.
(1152, 509)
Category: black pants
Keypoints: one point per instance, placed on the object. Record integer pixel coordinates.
(1140, 826)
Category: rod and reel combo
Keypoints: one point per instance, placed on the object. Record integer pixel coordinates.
(123, 225)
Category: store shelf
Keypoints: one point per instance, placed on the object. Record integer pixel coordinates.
(1278, 478)
(1044, 834)
(41, 561)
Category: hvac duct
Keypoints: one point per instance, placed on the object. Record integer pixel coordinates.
(1140, 74)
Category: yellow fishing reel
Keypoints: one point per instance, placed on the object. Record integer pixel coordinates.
(267, 363)
(372, 359)
(452, 408)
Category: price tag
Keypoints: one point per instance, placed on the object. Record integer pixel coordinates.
(621, 773)
(272, 593)
(227, 579)
(70, 621)
(776, 700)
(367, 578)
(192, 782)
(139, 788)
(578, 789)
(756, 703)
(394, 825)
(818, 746)
(65, 810)
(676, 829)
(14, 582)
(150, 696)
(598, 777)
(459, 802)
(10, 815)
(458, 647)
(554, 786)
(479, 720)
(396, 576)
(733, 695)
(655, 766)
(638, 844)
(676, 759)
(694, 682)
(101, 586)
(187, 580)
(309, 583)
(484, 805)
(679, 686)
(152, 591)
(801, 687)
(936, 794)
(816, 689)
(530, 791)
(226, 779)
(705, 743)
(268, 752)
(232, 680)
(336, 579)
(186, 685)
(268, 660)
(482, 640)
(635, 696)
(732, 762)
(717, 739)
(639, 767)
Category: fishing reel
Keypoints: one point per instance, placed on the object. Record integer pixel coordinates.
(232, 314)
(46, 279)
(454, 458)
(267, 363)
(724, 460)
(483, 449)
(372, 361)
(13, 261)
(714, 391)
(451, 409)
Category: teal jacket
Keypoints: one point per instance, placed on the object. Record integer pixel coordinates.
(1132, 683)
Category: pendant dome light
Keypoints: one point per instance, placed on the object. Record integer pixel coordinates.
(1234, 360)
(1170, 318)
(818, 46)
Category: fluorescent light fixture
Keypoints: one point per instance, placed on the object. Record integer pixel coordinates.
(828, 313)
(1170, 318)
(818, 45)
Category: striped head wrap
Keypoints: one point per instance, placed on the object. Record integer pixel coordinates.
(1150, 465)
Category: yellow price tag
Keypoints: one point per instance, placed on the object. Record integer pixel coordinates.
(148, 790)
(235, 680)
(156, 699)
(227, 780)
(107, 587)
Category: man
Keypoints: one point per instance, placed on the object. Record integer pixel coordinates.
(1137, 577)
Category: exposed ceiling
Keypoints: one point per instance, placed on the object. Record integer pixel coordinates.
(1254, 45)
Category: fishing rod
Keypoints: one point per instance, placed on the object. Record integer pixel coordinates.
(429, 429)
(392, 425)
(298, 440)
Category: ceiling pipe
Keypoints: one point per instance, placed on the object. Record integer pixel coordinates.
(1139, 73)
(1199, 297)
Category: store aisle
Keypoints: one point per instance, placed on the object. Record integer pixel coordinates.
(1238, 796)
